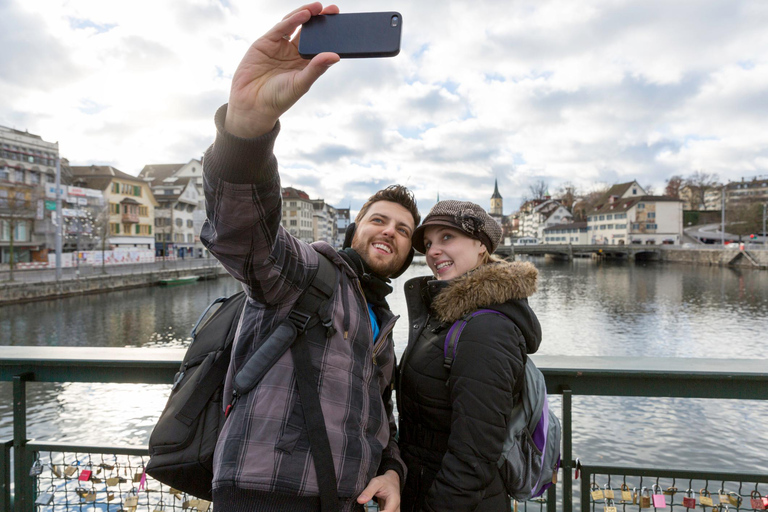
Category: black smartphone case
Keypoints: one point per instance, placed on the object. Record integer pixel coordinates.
(354, 35)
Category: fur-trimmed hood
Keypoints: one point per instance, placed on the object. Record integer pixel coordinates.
(494, 283)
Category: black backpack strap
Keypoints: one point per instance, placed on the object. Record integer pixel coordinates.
(311, 308)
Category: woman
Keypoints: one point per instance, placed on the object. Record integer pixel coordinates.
(453, 424)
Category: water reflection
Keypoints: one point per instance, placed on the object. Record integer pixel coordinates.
(586, 308)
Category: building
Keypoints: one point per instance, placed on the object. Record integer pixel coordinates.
(539, 214)
(626, 215)
(574, 233)
(85, 216)
(27, 164)
(747, 191)
(130, 203)
(298, 212)
(342, 223)
(324, 222)
(497, 204)
(177, 219)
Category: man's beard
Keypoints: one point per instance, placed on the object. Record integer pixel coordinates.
(362, 248)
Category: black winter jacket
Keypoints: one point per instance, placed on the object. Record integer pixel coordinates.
(453, 425)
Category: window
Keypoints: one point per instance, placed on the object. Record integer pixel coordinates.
(190, 208)
(651, 215)
(293, 223)
(602, 217)
(115, 188)
(650, 226)
(179, 223)
(190, 238)
(18, 176)
(4, 174)
(114, 229)
(143, 211)
(190, 223)
(609, 217)
(641, 206)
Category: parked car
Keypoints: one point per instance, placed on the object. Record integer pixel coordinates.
(526, 241)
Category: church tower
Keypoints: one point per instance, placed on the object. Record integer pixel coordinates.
(497, 210)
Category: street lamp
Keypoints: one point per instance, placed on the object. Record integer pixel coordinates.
(722, 219)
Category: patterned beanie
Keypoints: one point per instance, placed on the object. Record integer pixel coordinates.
(467, 217)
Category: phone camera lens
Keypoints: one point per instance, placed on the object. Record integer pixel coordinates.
(395, 21)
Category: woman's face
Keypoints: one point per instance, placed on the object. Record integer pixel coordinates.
(451, 253)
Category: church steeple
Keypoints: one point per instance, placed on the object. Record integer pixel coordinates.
(496, 201)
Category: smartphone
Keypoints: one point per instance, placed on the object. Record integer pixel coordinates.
(354, 35)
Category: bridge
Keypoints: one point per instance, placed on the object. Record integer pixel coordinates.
(568, 252)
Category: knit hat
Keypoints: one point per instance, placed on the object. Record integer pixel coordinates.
(467, 217)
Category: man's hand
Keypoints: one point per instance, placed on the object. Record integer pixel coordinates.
(387, 489)
(272, 76)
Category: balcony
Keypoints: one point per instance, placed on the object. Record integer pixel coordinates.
(566, 376)
(130, 218)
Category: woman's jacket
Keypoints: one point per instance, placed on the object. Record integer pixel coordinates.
(453, 424)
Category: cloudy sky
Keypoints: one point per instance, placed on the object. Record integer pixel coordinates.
(593, 92)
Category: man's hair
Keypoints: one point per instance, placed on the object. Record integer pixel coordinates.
(395, 194)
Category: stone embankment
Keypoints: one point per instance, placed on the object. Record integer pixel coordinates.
(748, 258)
(19, 292)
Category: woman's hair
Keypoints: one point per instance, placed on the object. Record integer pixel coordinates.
(489, 258)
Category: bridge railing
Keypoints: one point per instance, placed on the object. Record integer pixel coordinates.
(566, 376)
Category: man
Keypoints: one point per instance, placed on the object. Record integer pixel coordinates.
(263, 460)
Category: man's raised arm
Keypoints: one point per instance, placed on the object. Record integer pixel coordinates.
(273, 76)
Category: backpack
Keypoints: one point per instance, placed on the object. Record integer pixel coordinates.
(182, 444)
(530, 458)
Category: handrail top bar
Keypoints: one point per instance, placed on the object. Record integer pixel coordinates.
(627, 366)
(651, 366)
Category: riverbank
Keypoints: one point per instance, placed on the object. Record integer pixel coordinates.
(748, 258)
(17, 292)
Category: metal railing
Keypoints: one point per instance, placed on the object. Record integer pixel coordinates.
(566, 376)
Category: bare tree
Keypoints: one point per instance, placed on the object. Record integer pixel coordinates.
(588, 201)
(17, 208)
(674, 184)
(567, 194)
(699, 183)
(539, 189)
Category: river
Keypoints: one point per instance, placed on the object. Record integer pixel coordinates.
(586, 308)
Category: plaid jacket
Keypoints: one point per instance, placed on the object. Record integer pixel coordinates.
(264, 445)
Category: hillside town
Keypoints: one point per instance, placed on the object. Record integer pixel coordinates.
(110, 214)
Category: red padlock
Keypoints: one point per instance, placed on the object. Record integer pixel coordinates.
(688, 500)
(757, 501)
(85, 475)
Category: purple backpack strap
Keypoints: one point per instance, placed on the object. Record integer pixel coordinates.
(452, 338)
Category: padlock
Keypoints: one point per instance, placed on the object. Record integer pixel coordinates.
(608, 492)
(85, 475)
(203, 506)
(131, 501)
(756, 500)
(175, 492)
(734, 499)
(722, 497)
(81, 491)
(159, 507)
(705, 498)
(659, 501)
(112, 481)
(36, 469)
(688, 500)
(71, 469)
(597, 493)
(46, 498)
(635, 496)
(96, 480)
(189, 504)
(609, 505)
(90, 496)
(110, 495)
(626, 494)
(671, 491)
(137, 476)
(55, 470)
(645, 498)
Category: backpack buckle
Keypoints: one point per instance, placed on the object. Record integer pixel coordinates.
(299, 319)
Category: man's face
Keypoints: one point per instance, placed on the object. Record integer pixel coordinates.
(383, 237)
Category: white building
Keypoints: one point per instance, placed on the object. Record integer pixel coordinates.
(538, 215)
(573, 233)
(324, 221)
(342, 223)
(298, 214)
(27, 164)
(626, 215)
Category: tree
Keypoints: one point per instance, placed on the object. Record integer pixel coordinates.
(567, 194)
(17, 208)
(674, 184)
(699, 183)
(539, 189)
(744, 218)
(588, 201)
